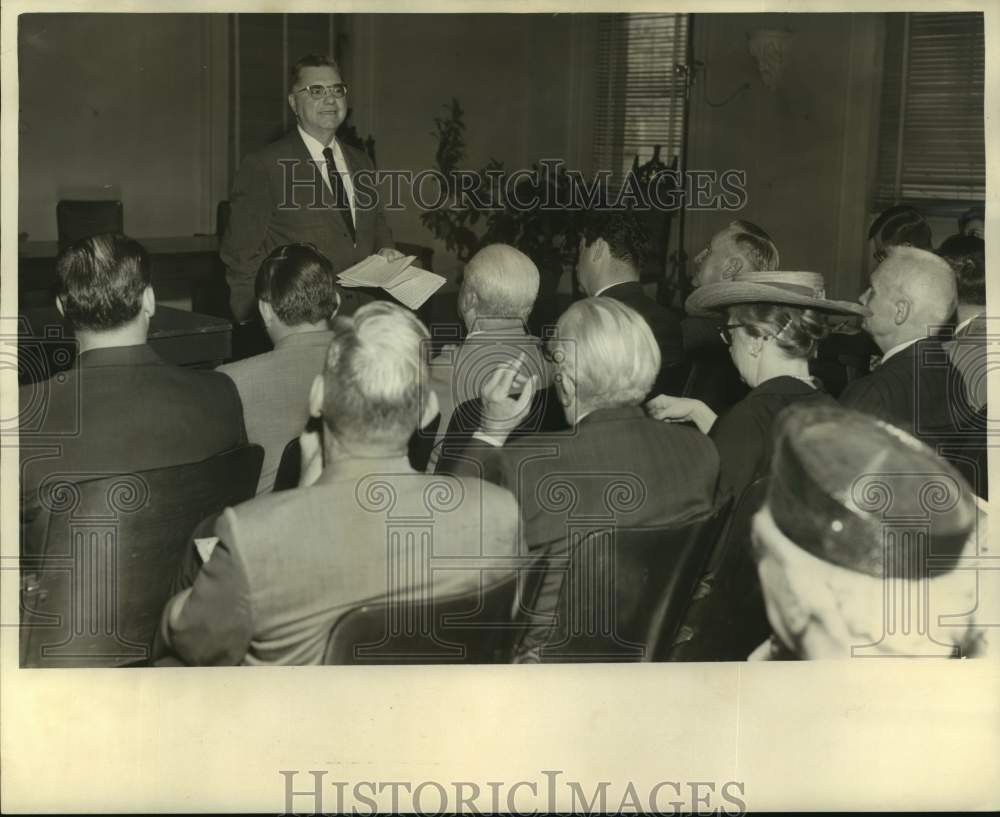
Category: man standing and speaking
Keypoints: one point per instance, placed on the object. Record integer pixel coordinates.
(304, 189)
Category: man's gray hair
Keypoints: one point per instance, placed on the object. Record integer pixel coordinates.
(374, 374)
(504, 280)
(609, 350)
(926, 280)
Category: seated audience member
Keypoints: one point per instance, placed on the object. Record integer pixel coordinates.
(287, 565)
(296, 297)
(121, 408)
(772, 327)
(898, 226)
(912, 294)
(606, 360)
(614, 467)
(611, 256)
(860, 542)
(499, 287)
(968, 348)
(741, 246)
(972, 223)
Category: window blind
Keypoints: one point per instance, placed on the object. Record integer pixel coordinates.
(640, 99)
(931, 140)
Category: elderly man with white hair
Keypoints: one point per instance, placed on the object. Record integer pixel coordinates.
(606, 359)
(286, 566)
(912, 294)
(615, 466)
(499, 287)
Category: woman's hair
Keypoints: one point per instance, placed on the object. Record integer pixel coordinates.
(796, 330)
(967, 256)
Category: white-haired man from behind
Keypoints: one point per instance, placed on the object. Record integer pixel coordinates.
(287, 565)
(606, 360)
(499, 287)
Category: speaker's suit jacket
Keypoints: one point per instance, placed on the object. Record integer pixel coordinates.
(280, 198)
(289, 564)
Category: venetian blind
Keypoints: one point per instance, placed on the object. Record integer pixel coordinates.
(640, 99)
(931, 142)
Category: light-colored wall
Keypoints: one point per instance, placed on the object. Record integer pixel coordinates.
(130, 106)
(806, 146)
(516, 76)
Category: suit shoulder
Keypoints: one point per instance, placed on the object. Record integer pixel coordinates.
(239, 369)
(358, 158)
(278, 149)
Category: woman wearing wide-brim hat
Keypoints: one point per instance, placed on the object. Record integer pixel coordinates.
(774, 322)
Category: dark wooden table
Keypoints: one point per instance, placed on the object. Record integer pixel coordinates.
(46, 342)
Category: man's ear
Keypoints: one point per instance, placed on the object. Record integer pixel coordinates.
(431, 409)
(732, 267)
(565, 387)
(149, 302)
(316, 397)
(60, 306)
(903, 309)
(266, 312)
(291, 104)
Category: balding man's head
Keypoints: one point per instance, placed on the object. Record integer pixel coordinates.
(499, 282)
(912, 291)
(741, 246)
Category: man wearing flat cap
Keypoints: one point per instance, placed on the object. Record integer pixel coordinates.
(862, 542)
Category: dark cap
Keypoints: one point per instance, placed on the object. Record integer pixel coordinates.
(862, 494)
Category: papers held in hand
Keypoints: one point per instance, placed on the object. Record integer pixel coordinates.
(409, 285)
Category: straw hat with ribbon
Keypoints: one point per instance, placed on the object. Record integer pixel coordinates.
(791, 287)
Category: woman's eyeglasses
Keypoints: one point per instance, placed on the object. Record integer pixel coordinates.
(726, 332)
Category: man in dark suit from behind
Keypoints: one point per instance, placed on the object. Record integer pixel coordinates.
(285, 194)
(611, 254)
(615, 467)
(737, 247)
(122, 408)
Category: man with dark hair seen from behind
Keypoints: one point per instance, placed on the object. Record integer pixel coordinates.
(121, 408)
(901, 225)
(612, 249)
(296, 297)
(286, 193)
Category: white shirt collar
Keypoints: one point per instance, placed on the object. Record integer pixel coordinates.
(315, 147)
(895, 350)
(967, 322)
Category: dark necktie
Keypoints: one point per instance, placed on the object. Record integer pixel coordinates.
(339, 193)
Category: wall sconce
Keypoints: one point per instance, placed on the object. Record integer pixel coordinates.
(767, 47)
